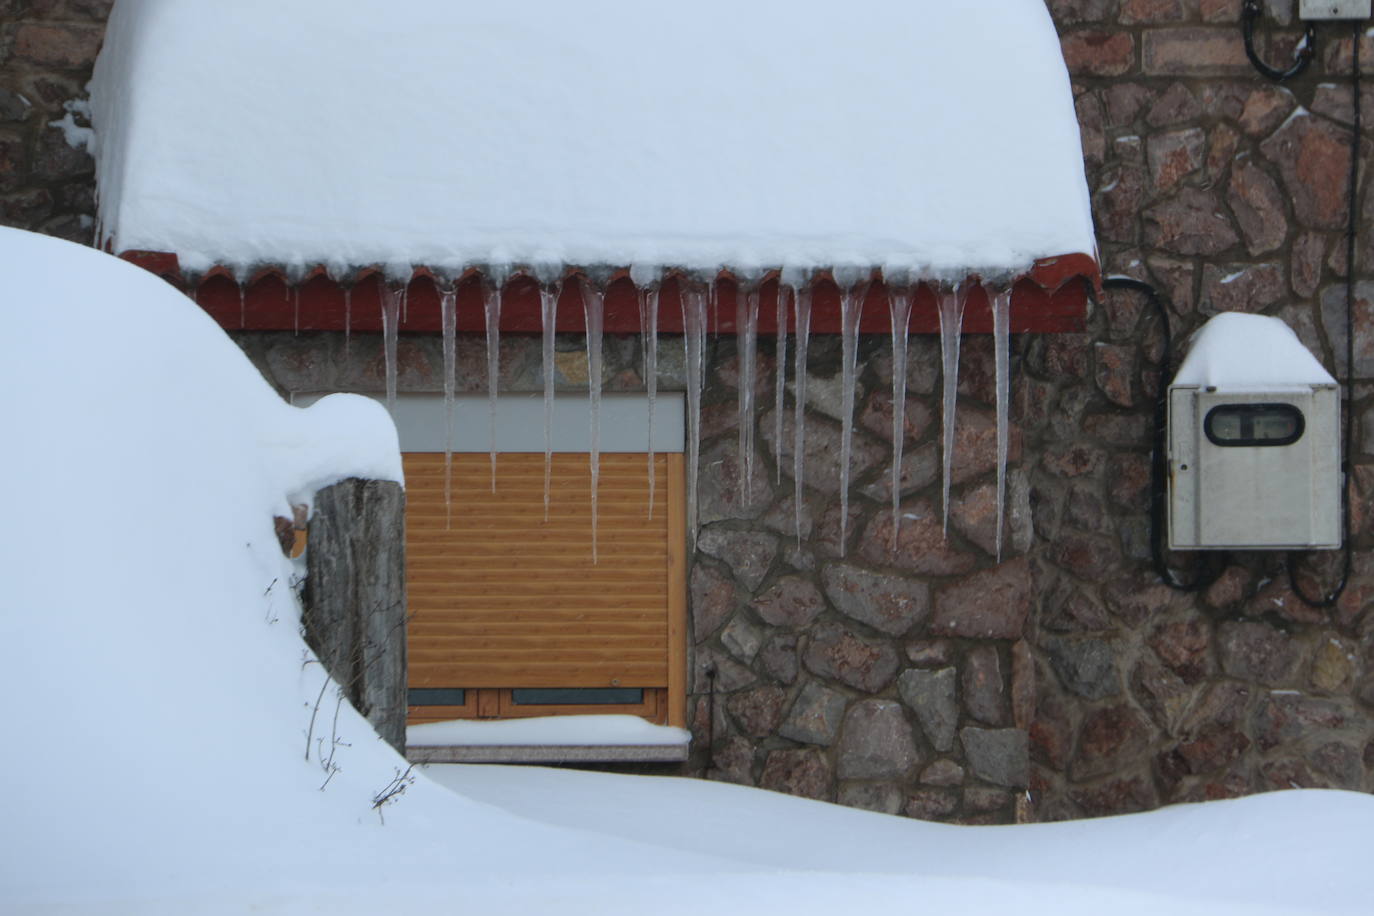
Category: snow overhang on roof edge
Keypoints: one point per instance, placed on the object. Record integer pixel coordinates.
(601, 133)
(1051, 297)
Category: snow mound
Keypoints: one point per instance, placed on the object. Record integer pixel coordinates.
(157, 694)
(929, 136)
(1235, 351)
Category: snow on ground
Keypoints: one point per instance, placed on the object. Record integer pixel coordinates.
(1294, 849)
(157, 698)
(930, 136)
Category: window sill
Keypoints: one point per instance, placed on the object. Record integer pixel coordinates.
(548, 753)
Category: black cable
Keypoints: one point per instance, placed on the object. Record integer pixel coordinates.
(1215, 563)
(1249, 13)
(1348, 438)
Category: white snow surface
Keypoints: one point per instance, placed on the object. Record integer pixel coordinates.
(603, 730)
(1236, 351)
(924, 135)
(157, 698)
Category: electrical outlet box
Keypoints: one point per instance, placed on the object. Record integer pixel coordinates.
(1253, 469)
(1333, 9)
(1254, 446)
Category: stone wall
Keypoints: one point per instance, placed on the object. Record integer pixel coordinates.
(1227, 192)
(843, 669)
(934, 680)
(47, 48)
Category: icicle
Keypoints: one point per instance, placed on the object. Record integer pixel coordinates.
(952, 300)
(803, 331)
(491, 305)
(647, 288)
(295, 279)
(448, 318)
(242, 277)
(391, 317)
(780, 382)
(549, 290)
(713, 297)
(747, 331)
(593, 301)
(694, 343)
(1001, 336)
(348, 321)
(899, 308)
(852, 297)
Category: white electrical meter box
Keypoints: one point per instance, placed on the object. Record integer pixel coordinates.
(1318, 10)
(1254, 441)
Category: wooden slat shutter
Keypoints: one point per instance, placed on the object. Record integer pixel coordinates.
(500, 598)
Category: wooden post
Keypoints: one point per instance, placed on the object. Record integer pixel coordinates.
(355, 597)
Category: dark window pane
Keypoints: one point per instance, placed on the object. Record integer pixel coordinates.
(577, 696)
(437, 696)
(1237, 425)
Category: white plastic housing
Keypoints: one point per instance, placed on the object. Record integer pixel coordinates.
(1262, 496)
(1333, 9)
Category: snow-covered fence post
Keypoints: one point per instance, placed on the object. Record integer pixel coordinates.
(355, 598)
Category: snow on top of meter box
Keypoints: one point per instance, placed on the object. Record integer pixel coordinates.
(1235, 351)
(939, 137)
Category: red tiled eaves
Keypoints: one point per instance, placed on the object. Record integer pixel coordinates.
(1052, 297)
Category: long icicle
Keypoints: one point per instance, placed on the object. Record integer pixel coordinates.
(746, 330)
(593, 301)
(448, 318)
(780, 382)
(549, 291)
(694, 298)
(647, 290)
(391, 319)
(852, 297)
(803, 331)
(899, 297)
(348, 321)
(491, 306)
(952, 300)
(1001, 336)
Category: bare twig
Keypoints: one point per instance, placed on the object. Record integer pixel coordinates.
(310, 732)
(392, 791)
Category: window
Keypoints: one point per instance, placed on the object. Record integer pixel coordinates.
(510, 617)
(1237, 425)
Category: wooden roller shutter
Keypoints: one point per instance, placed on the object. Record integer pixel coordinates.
(501, 599)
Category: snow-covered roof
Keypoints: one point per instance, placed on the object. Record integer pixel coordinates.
(1236, 351)
(932, 136)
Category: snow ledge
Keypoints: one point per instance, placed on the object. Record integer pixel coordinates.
(552, 753)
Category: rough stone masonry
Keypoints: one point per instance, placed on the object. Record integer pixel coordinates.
(932, 680)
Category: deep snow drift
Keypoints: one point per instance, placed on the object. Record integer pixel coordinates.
(157, 697)
(931, 136)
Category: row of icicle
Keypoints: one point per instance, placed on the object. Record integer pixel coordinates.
(696, 298)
